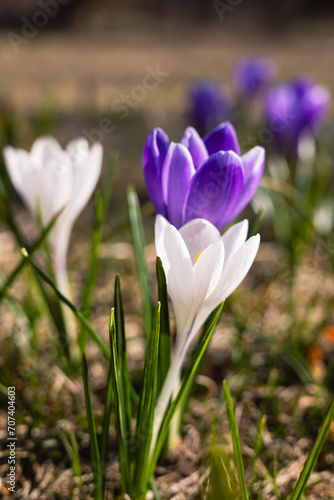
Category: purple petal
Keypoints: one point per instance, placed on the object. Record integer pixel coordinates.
(251, 74)
(215, 189)
(222, 138)
(193, 142)
(316, 103)
(177, 171)
(153, 158)
(253, 163)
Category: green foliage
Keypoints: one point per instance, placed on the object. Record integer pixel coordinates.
(138, 240)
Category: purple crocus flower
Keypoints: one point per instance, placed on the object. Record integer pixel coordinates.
(198, 178)
(208, 105)
(252, 74)
(295, 109)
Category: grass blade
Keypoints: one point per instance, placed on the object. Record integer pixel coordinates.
(258, 444)
(236, 441)
(123, 440)
(81, 318)
(106, 422)
(186, 381)
(88, 290)
(298, 364)
(165, 338)
(95, 454)
(139, 244)
(313, 455)
(87, 294)
(32, 249)
(71, 448)
(147, 401)
(123, 373)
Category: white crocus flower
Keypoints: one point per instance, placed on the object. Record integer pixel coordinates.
(202, 269)
(56, 179)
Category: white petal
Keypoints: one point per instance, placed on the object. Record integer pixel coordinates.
(77, 150)
(177, 265)
(85, 177)
(198, 234)
(43, 150)
(236, 269)
(233, 273)
(207, 273)
(234, 238)
(160, 223)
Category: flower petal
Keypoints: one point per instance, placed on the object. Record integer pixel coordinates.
(236, 269)
(196, 147)
(215, 189)
(222, 138)
(85, 175)
(153, 158)
(253, 163)
(198, 234)
(178, 268)
(43, 150)
(234, 238)
(207, 272)
(177, 171)
(233, 274)
(160, 224)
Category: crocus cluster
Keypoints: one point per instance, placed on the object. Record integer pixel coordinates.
(201, 178)
(55, 179)
(252, 74)
(208, 105)
(202, 269)
(293, 110)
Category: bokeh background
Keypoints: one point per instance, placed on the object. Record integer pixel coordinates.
(69, 72)
(81, 67)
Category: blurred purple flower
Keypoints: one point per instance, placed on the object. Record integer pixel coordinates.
(294, 110)
(252, 74)
(201, 178)
(208, 105)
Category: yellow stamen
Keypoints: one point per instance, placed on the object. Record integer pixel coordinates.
(198, 256)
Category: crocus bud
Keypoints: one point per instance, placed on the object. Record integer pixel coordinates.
(201, 178)
(294, 110)
(56, 179)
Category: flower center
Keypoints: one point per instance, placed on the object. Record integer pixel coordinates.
(198, 256)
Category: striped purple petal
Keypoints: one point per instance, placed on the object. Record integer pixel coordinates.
(215, 189)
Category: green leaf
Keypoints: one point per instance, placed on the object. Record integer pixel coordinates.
(31, 250)
(95, 454)
(34, 247)
(71, 448)
(139, 244)
(258, 444)
(299, 365)
(165, 338)
(235, 441)
(69, 304)
(88, 290)
(75, 459)
(222, 484)
(106, 421)
(186, 381)
(123, 439)
(313, 455)
(123, 373)
(147, 401)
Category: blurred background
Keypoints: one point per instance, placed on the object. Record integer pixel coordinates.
(78, 67)
(111, 72)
